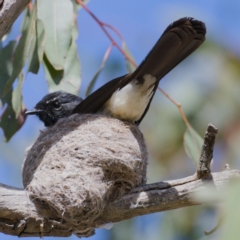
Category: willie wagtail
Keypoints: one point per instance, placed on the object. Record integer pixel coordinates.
(128, 97)
(54, 106)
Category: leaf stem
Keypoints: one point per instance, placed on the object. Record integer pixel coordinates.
(179, 106)
(103, 27)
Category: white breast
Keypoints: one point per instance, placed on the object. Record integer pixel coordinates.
(130, 102)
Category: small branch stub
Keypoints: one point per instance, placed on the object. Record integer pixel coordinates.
(227, 166)
(203, 167)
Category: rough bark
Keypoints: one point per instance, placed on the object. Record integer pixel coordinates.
(9, 12)
(18, 215)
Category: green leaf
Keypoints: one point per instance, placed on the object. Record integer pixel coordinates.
(25, 20)
(231, 229)
(8, 73)
(72, 71)
(68, 80)
(40, 39)
(6, 68)
(33, 63)
(93, 81)
(17, 96)
(95, 77)
(192, 144)
(53, 76)
(36, 57)
(9, 123)
(130, 67)
(77, 6)
(57, 17)
(23, 50)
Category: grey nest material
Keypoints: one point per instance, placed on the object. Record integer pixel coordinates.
(82, 163)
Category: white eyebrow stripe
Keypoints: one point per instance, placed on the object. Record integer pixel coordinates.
(52, 100)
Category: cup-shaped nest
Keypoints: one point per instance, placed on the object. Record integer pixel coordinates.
(82, 163)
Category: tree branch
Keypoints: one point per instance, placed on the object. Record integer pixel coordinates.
(18, 215)
(163, 198)
(9, 12)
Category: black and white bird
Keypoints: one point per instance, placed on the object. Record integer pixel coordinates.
(54, 106)
(128, 97)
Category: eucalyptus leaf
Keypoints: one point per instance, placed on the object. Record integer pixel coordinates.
(96, 75)
(53, 76)
(36, 57)
(93, 81)
(72, 71)
(231, 230)
(17, 96)
(40, 39)
(6, 68)
(23, 50)
(5, 73)
(25, 20)
(9, 123)
(68, 80)
(58, 18)
(77, 6)
(192, 144)
(33, 63)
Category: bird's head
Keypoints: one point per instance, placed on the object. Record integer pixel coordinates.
(54, 106)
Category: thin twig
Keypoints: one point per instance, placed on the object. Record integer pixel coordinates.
(103, 25)
(107, 53)
(114, 29)
(179, 106)
(219, 224)
(30, 6)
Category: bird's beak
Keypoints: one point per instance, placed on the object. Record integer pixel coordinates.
(33, 112)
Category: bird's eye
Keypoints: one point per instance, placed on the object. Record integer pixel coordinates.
(57, 106)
